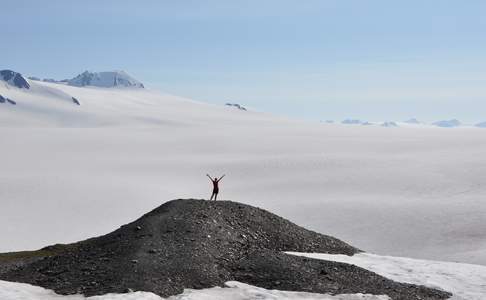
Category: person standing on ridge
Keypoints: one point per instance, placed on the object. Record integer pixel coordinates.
(215, 182)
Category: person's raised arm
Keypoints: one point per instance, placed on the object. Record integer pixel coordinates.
(209, 177)
(221, 177)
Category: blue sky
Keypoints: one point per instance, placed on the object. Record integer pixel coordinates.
(316, 59)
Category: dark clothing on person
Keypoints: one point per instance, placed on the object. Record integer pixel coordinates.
(215, 189)
(215, 182)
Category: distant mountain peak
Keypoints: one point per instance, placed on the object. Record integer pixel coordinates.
(389, 124)
(481, 125)
(448, 123)
(105, 79)
(412, 121)
(352, 121)
(14, 79)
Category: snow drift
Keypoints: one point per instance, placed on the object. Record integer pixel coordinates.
(464, 281)
(232, 291)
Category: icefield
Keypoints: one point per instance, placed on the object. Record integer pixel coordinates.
(71, 172)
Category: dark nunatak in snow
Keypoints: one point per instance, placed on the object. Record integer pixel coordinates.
(75, 101)
(105, 79)
(240, 107)
(201, 244)
(6, 100)
(14, 79)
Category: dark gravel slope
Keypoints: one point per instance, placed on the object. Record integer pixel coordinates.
(200, 244)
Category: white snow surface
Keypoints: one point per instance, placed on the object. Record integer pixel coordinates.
(233, 291)
(71, 172)
(464, 281)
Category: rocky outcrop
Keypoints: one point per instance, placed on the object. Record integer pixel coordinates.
(14, 79)
(200, 244)
(7, 100)
(236, 105)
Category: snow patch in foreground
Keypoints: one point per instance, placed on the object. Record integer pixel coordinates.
(464, 281)
(234, 291)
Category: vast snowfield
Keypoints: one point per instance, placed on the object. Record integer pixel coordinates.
(70, 172)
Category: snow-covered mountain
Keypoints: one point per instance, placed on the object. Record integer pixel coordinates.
(105, 79)
(34, 101)
(389, 124)
(57, 103)
(14, 79)
(412, 121)
(481, 125)
(352, 121)
(447, 123)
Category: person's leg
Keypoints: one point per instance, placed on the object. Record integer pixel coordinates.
(211, 197)
(215, 196)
